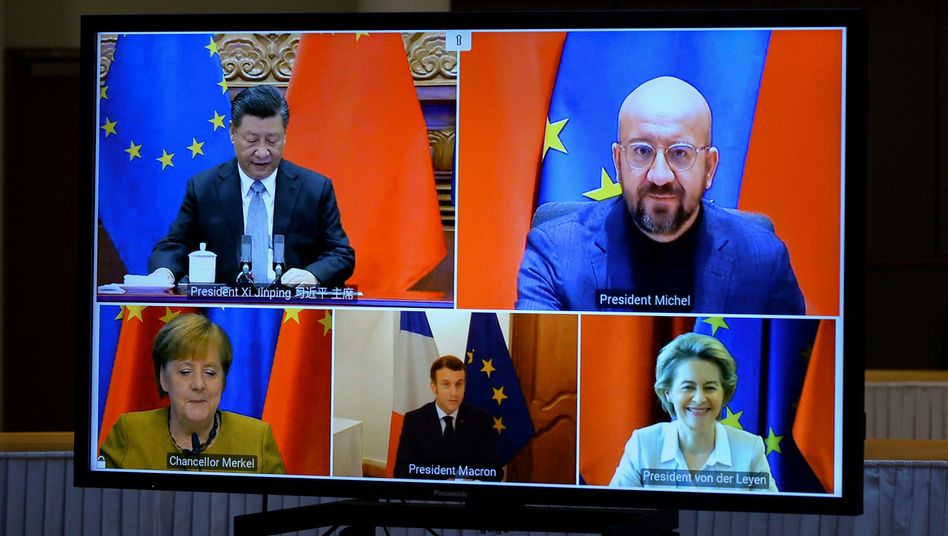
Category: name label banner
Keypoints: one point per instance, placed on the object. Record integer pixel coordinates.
(631, 300)
(213, 462)
(705, 479)
(264, 293)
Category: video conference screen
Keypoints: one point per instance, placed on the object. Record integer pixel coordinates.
(570, 259)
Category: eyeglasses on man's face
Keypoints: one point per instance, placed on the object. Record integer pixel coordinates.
(679, 156)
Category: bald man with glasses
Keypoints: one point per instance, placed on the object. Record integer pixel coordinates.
(660, 246)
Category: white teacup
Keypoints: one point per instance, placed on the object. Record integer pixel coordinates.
(202, 265)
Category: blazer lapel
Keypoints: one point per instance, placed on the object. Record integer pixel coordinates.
(287, 188)
(714, 263)
(228, 193)
(434, 426)
(615, 264)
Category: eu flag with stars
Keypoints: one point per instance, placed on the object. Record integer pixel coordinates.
(772, 356)
(163, 116)
(492, 385)
(253, 337)
(599, 69)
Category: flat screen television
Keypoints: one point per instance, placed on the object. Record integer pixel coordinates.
(637, 236)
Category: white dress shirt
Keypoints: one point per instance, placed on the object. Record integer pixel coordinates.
(442, 415)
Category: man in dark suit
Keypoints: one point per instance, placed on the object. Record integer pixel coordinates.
(660, 246)
(448, 439)
(227, 201)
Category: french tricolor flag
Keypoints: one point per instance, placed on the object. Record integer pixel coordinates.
(415, 351)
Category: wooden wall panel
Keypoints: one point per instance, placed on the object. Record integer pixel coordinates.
(544, 350)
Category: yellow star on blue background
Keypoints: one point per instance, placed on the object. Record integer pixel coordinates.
(607, 189)
(196, 147)
(716, 322)
(773, 441)
(488, 366)
(499, 395)
(134, 151)
(165, 159)
(551, 136)
(733, 419)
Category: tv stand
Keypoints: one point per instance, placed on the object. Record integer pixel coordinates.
(362, 516)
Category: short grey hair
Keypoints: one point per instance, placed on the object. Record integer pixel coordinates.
(688, 346)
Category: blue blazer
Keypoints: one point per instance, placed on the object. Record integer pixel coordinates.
(740, 265)
(304, 211)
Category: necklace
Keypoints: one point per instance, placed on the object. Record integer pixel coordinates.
(210, 435)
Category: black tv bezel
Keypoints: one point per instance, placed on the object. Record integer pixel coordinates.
(856, 97)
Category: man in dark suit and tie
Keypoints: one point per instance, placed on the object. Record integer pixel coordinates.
(258, 193)
(659, 246)
(448, 439)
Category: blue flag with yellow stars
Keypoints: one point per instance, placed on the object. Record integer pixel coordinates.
(164, 115)
(492, 385)
(599, 69)
(772, 355)
(253, 337)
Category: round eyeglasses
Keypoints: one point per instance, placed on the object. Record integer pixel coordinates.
(679, 156)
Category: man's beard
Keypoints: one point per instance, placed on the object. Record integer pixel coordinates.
(665, 222)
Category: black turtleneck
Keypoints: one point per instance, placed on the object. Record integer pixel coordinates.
(664, 268)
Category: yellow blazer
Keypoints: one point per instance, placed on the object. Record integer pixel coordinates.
(140, 440)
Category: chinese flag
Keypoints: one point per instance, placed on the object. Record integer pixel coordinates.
(815, 423)
(799, 106)
(297, 404)
(355, 118)
(132, 386)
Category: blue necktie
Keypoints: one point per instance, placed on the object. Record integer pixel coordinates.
(258, 229)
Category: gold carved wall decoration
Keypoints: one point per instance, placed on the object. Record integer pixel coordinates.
(441, 142)
(106, 55)
(253, 58)
(442, 148)
(428, 60)
(249, 59)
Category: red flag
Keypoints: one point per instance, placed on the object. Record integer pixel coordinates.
(799, 106)
(133, 387)
(297, 404)
(814, 426)
(355, 118)
(506, 85)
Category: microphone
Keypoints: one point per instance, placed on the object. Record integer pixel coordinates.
(196, 439)
(278, 263)
(195, 444)
(246, 258)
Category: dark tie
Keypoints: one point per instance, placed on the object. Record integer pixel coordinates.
(448, 430)
(258, 228)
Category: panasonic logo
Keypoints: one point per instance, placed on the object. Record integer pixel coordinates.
(439, 493)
